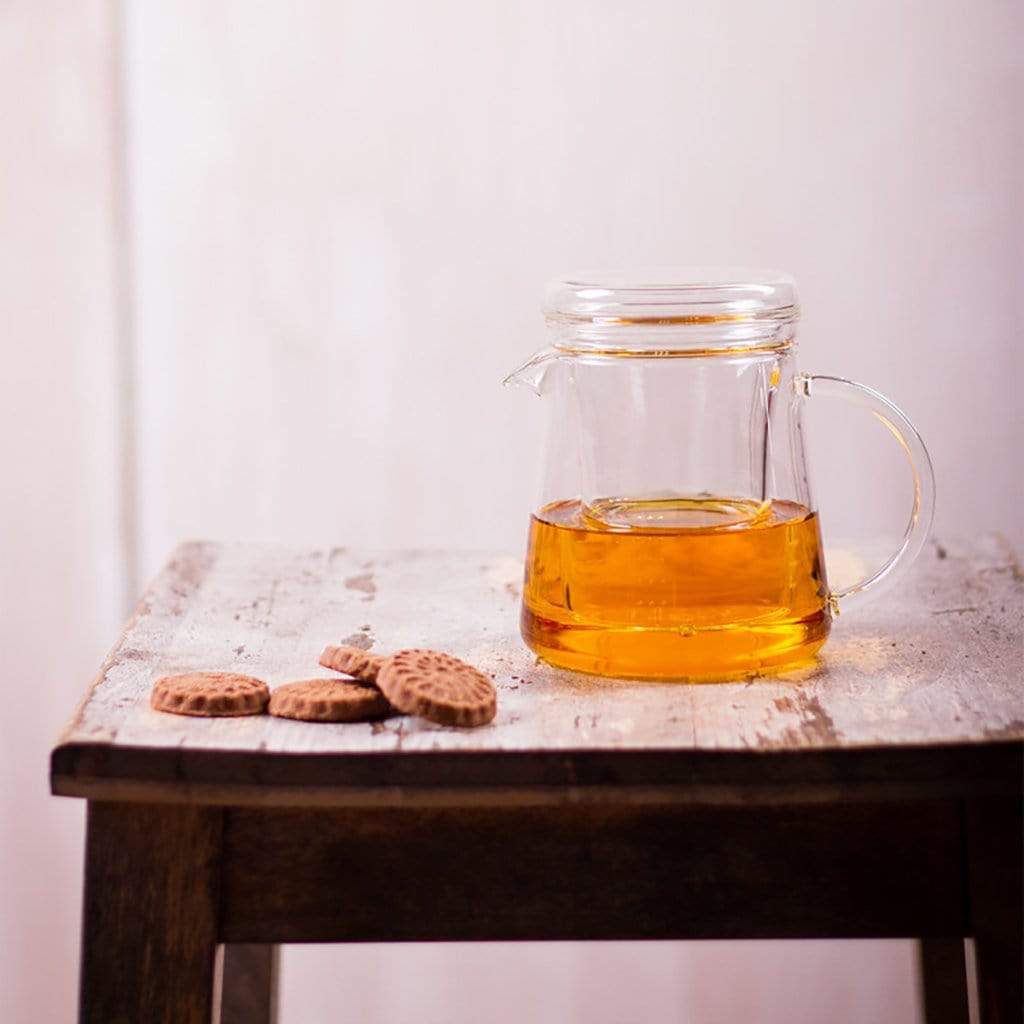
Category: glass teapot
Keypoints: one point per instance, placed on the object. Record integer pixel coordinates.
(676, 537)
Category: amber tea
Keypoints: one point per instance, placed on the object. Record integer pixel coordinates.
(675, 588)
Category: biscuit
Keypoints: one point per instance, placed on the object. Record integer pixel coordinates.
(353, 661)
(328, 700)
(210, 694)
(438, 687)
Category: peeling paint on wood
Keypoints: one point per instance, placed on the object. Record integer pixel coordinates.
(815, 727)
(363, 582)
(936, 662)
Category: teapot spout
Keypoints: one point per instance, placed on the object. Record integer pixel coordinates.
(532, 373)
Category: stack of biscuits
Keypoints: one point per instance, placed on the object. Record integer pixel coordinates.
(430, 684)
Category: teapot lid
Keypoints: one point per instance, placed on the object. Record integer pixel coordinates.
(673, 309)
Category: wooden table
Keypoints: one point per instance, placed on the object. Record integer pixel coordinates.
(878, 795)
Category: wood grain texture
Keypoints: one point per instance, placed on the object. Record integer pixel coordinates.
(250, 984)
(611, 872)
(943, 974)
(935, 667)
(995, 855)
(150, 920)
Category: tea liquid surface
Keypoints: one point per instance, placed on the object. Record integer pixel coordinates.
(675, 588)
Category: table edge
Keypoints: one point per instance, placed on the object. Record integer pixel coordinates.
(104, 772)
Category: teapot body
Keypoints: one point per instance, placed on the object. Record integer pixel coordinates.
(675, 536)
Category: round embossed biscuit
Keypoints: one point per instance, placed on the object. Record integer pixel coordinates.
(210, 694)
(328, 700)
(438, 687)
(353, 661)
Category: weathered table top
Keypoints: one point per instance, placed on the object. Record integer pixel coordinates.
(934, 667)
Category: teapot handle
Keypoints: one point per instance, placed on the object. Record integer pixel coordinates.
(920, 522)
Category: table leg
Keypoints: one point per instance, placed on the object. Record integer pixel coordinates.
(249, 987)
(995, 857)
(149, 929)
(943, 980)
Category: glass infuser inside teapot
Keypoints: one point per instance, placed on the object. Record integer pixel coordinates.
(676, 536)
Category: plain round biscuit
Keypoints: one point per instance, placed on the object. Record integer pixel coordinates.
(210, 694)
(328, 700)
(353, 661)
(438, 687)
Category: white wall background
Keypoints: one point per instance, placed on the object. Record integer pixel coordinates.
(262, 267)
(61, 569)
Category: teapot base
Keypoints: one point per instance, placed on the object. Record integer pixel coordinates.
(675, 588)
(678, 656)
